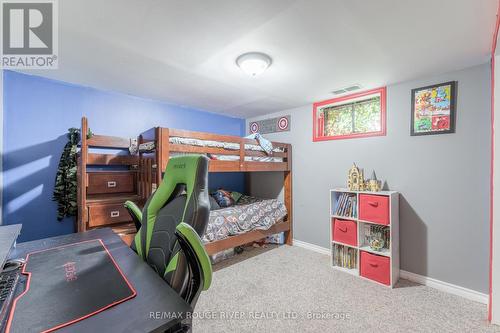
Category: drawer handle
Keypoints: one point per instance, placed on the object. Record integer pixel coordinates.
(373, 203)
(115, 213)
(343, 230)
(112, 184)
(373, 265)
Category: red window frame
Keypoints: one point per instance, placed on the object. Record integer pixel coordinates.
(318, 124)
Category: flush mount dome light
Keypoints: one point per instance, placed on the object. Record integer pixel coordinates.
(253, 63)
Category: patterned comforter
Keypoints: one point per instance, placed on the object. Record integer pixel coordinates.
(249, 214)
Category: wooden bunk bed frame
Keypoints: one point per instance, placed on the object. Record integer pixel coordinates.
(96, 206)
(163, 149)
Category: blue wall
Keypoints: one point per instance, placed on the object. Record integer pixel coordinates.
(37, 114)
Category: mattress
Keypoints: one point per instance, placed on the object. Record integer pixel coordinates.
(247, 158)
(249, 214)
(218, 144)
(234, 157)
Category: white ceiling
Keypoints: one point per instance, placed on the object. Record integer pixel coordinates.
(183, 51)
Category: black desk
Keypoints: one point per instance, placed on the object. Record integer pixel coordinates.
(156, 306)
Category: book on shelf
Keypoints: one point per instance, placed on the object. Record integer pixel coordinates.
(345, 256)
(346, 205)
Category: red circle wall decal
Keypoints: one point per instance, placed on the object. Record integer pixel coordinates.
(254, 127)
(283, 123)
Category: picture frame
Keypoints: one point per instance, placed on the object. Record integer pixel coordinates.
(433, 109)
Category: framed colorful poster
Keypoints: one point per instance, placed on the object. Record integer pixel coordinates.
(433, 109)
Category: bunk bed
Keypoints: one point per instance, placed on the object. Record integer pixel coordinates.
(112, 170)
(227, 154)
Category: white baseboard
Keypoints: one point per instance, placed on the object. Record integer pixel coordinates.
(445, 286)
(312, 247)
(423, 280)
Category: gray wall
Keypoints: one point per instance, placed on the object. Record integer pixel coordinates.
(443, 180)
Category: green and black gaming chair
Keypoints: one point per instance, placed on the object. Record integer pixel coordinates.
(170, 224)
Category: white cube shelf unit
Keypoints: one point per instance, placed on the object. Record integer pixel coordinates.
(361, 215)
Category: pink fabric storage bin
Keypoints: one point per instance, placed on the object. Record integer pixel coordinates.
(374, 208)
(345, 231)
(374, 267)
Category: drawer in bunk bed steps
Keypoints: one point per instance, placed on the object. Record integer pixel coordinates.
(106, 214)
(103, 182)
(375, 267)
(345, 232)
(374, 208)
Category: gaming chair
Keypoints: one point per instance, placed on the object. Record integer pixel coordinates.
(170, 224)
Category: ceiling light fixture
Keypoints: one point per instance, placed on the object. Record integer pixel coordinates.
(253, 63)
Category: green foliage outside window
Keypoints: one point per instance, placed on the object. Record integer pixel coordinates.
(351, 118)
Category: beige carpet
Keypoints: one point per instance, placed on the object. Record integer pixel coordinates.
(290, 289)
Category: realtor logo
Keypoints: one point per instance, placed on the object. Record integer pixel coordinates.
(29, 34)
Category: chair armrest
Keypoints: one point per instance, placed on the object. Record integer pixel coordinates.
(190, 242)
(135, 212)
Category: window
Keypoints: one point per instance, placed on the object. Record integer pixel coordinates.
(352, 116)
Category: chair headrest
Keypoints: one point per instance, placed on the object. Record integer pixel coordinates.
(184, 169)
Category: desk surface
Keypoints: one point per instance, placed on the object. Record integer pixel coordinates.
(147, 312)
